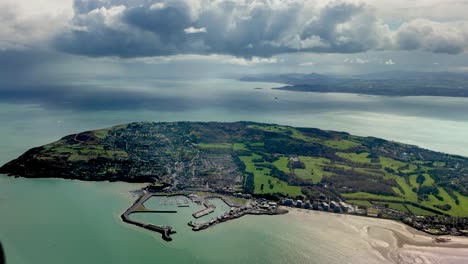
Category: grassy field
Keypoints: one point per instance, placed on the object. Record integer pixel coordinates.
(340, 144)
(405, 190)
(427, 182)
(270, 184)
(294, 133)
(397, 206)
(87, 155)
(102, 133)
(360, 203)
(282, 164)
(79, 153)
(239, 147)
(418, 211)
(360, 158)
(460, 210)
(257, 144)
(438, 164)
(313, 168)
(214, 146)
(363, 195)
(397, 165)
(408, 193)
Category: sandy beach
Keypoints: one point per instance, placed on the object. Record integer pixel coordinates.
(387, 241)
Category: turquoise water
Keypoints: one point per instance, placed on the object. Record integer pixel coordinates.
(54, 221)
(166, 202)
(61, 221)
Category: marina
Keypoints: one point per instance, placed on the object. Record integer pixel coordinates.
(209, 209)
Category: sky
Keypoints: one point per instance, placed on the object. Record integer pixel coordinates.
(71, 47)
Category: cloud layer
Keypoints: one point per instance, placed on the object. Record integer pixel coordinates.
(138, 28)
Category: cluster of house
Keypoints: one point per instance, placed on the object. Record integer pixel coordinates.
(264, 204)
(243, 195)
(260, 206)
(324, 205)
(439, 225)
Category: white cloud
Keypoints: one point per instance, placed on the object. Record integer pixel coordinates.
(193, 30)
(389, 62)
(356, 61)
(404, 10)
(26, 23)
(307, 64)
(423, 34)
(244, 28)
(179, 58)
(252, 61)
(157, 6)
(361, 61)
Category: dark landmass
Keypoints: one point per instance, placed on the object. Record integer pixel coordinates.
(389, 83)
(265, 160)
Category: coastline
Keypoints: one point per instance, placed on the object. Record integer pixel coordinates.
(391, 240)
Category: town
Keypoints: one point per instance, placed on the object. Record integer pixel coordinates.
(304, 168)
(434, 225)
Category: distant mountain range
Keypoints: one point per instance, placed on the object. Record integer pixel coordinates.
(394, 83)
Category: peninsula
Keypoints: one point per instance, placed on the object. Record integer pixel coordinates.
(447, 84)
(265, 164)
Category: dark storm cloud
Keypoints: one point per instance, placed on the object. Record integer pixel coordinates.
(139, 28)
(241, 28)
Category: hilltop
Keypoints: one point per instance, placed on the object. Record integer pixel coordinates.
(262, 159)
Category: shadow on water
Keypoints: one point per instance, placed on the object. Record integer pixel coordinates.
(2, 254)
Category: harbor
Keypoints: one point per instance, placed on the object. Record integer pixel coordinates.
(207, 210)
(252, 207)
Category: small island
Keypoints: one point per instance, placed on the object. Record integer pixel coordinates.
(260, 168)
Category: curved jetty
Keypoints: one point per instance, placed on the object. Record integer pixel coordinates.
(138, 207)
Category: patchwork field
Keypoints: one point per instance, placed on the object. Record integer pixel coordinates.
(264, 183)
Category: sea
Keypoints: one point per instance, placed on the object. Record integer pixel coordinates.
(54, 221)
